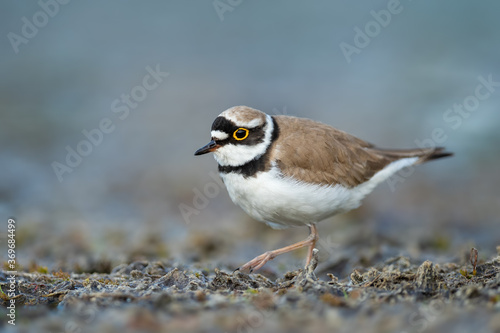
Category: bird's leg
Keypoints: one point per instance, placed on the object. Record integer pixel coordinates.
(314, 233)
(261, 260)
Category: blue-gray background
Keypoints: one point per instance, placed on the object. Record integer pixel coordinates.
(281, 57)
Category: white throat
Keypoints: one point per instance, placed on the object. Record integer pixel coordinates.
(237, 155)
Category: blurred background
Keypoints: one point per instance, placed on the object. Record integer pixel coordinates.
(75, 70)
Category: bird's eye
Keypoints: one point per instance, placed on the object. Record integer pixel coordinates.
(240, 134)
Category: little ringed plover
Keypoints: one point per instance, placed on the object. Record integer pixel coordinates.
(288, 171)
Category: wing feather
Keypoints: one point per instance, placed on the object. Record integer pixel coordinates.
(317, 153)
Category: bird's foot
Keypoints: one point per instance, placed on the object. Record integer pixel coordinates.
(257, 262)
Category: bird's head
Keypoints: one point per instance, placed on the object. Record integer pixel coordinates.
(239, 135)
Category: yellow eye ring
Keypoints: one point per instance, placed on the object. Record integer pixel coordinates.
(241, 138)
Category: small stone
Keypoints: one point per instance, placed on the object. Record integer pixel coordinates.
(95, 286)
(136, 274)
(427, 278)
(155, 268)
(193, 285)
(174, 278)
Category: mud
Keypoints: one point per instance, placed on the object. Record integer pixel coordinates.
(396, 295)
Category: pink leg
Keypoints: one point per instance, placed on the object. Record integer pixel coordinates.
(261, 260)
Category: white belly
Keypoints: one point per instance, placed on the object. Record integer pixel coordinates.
(281, 202)
(285, 202)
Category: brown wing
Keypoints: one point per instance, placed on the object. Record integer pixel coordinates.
(317, 153)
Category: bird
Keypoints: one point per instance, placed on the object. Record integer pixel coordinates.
(288, 171)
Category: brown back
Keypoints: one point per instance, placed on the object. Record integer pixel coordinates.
(317, 153)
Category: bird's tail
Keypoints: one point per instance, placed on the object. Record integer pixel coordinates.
(424, 154)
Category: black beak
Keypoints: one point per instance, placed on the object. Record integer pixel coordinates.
(209, 147)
